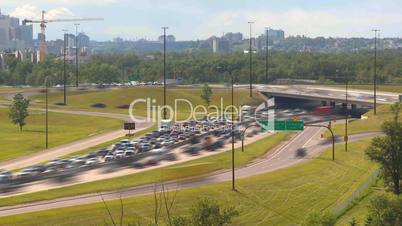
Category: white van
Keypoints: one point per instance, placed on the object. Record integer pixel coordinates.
(165, 125)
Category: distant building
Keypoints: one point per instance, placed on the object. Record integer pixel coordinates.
(220, 45)
(215, 44)
(274, 37)
(14, 36)
(169, 38)
(234, 38)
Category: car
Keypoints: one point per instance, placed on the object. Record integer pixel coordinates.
(119, 154)
(109, 157)
(192, 150)
(146, 147)
(91, 155)
(91, 161)
(37, 168)
(102, 152)
(129, 153)
(5, 176)
(79, 161)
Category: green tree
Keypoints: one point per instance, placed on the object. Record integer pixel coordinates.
(319, 219)
(206, 93)
(387, 150)
(208, 212)
(19, 110)
(384, 210)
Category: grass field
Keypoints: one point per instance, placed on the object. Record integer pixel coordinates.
(360, 210)
(188, 169)
(372, 124)
(283, 197)
(113, 98)
(63, 128)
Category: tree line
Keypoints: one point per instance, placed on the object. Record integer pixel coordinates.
(357, 67)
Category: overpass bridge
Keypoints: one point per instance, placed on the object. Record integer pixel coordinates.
(327, 94)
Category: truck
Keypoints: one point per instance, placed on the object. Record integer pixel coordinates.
(165, 125)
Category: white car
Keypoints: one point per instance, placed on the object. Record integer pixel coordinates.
(91, 161)
(109, 158)
(119, 154)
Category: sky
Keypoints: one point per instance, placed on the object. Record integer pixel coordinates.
(200, 19)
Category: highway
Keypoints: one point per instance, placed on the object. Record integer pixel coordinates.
(284, 156)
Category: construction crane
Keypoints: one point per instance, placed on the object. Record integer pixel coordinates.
(43, 22)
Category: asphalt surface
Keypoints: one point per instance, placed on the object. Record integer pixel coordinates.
(282, 157)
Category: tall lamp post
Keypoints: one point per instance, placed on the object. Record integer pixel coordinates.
(230, 70)
(375, 70)
(347, 112)
(76, 55)
(266, 55)
(251, 58)
(164, 71)
(64, 68)
(233, 157)
(47, 121)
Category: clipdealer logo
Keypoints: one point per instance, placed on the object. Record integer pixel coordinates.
(154, 112)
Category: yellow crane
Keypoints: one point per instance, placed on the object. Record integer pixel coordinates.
(42, 23)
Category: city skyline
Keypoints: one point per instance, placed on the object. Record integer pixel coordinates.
(207, 19)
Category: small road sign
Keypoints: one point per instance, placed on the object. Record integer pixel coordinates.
(129, 126)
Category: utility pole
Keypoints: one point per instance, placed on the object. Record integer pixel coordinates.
(251, 58)
(266, 56)
(64, 68)
(375, 70)
(164, 71)
(76, 55)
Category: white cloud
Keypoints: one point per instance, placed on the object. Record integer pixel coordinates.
(32, 12)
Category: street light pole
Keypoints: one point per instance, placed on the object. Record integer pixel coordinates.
(251, 58)
(347, 113)
(266, 56)
(76, 55)
(47, 121)
(375, 70)
(233, 153)
(64, 69)
(164, 71)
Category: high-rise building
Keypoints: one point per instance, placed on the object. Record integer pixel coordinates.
(14, 36)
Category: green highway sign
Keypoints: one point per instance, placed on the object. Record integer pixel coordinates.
(282, 125)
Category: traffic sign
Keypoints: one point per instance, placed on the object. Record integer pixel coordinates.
(282, 125)
(129, 126)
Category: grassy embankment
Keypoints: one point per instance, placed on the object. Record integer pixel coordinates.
(372, 124)
(113, 98)
(283, 197)
(63, 129)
